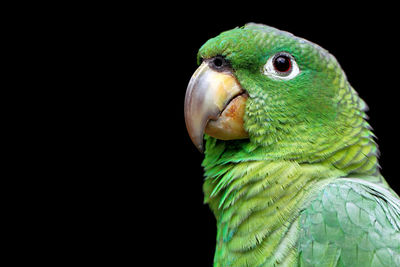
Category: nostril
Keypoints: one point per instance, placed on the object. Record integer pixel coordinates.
(218, 61)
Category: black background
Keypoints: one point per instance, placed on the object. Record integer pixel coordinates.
(160, 166)
(120, 179)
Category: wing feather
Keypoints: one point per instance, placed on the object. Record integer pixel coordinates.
(357, 220)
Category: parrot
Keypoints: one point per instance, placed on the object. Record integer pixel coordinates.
(291, 169)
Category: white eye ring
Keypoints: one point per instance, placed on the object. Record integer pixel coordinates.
(271, 70)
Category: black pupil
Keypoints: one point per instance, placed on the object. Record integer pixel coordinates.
(282, 63)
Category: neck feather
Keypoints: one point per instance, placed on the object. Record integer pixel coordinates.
(257, 201)
(257, 206)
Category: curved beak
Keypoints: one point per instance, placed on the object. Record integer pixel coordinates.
(214, 104)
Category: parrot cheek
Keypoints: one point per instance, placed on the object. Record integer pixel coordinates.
(229, 125)
(214, 104)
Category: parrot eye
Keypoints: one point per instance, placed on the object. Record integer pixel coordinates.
(281, 66)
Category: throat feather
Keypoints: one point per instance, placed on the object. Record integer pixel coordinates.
(256, 204)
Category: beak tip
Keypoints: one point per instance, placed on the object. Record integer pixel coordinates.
(200, 148)
(198, 142)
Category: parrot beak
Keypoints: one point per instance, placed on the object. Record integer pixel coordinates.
(215, 105)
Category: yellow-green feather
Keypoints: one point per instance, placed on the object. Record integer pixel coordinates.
(264, 202)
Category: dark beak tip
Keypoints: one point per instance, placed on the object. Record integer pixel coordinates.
(200, 148)
(198, 141)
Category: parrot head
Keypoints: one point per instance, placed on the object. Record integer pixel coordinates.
(269, 90)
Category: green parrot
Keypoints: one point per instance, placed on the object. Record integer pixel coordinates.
(291, 165)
